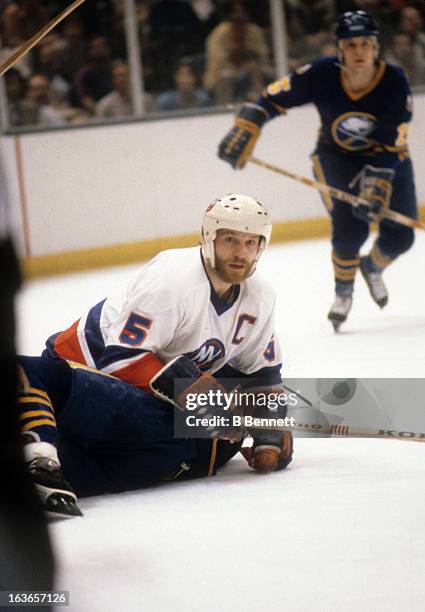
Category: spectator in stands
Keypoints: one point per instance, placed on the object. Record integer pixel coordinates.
(328, 48)
(237, 55)
(187, 93)
(412, 23)
(309, 16)
(94, 80)
(208, 14)
(303, 49)
(19, 21)
(402, 54)
(73, 52)
(175, 32)
(48, 64)
(38, 94)
(118, 103)
(21, 111)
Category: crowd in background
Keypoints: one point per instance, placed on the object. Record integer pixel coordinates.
(194, 53)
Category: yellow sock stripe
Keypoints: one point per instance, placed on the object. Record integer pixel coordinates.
(347, 275)
(317, 166)
(33, 424)
(213, 457)
(34, 400)
(38, 392)
(380, 260)
(344, 262)
(36, 413)
(342, 270)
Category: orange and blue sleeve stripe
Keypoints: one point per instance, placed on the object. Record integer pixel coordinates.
(67, 345)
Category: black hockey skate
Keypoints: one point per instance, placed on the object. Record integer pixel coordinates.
(339, 310)
(56, 494)
(374, 281)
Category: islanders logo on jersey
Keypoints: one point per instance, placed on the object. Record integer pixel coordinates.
(207, 354)
(351, 131)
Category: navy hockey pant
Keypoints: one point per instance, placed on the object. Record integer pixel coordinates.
(348, 232)
(110, 435)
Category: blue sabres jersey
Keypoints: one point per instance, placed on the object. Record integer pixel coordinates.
(372, 122)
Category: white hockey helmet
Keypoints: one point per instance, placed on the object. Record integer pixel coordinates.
(237, 212)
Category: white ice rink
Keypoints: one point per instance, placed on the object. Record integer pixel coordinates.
(340, 530)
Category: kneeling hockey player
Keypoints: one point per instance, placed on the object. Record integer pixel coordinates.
(97, 408)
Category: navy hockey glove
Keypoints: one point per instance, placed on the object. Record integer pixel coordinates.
(270, 452)
(239, 143)
(271, 449)
(181, 382)
(376, 187)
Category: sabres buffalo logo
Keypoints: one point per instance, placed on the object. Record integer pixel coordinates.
(351, 131)
(207, 354)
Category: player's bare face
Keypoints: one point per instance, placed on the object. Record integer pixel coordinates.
(359, 53)
(234, 255)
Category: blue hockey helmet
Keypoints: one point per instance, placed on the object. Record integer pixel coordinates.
(357, 23)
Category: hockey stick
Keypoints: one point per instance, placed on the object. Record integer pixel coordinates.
(349, 198)
(29, 44)
(345, 431)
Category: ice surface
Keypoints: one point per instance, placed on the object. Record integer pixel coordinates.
(340, 530)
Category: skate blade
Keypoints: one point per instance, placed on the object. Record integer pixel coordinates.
(336, 325)
(61, 505)
(381, 302)
(336, 321)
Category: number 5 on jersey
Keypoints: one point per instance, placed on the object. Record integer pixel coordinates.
(135, 330)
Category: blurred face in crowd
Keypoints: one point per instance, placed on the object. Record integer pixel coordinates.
(238, 15)
(121, 78)
(359, 53)
(402, 46)
(73, 32)
(38, 89)
(411, 20)
(370, 6)
(48, 55)
(15, 85)
(328, 49)
(185, 79)
(30, 6)
(98, 49)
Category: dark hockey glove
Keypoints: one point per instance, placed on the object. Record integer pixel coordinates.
(270, 452)
(180, 381)
(239, 143)
(376, 187)
(271, 449)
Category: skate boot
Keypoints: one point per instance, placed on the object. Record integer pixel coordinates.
(340, 309)
(373, 278)
(56, 494)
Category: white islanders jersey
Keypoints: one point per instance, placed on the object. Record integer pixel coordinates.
(170, 309)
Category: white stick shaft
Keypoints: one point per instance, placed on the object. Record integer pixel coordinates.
(348, 431)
